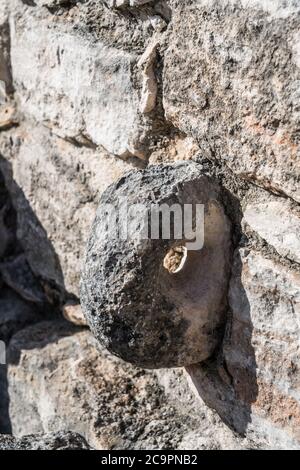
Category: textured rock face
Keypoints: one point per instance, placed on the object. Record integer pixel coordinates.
(255, 393)
(58, 441)
(109, 402)
(237, 91)
(95, 82)
(53, 233)
(5, 64)
(59, 380)
(277, 222)
(83, 83)
(15, 313)
(138, 309)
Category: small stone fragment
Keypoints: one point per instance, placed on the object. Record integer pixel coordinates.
(73, 313)
(150, 88)
(7, 117)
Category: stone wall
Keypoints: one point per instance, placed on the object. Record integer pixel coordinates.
(90, 90)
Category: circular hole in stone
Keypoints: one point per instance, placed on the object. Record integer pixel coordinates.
(175, 259)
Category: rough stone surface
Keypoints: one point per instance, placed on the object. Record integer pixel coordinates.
(60, 380)
(237, 90)
(5, 63)
(73, 313)
(254, 384)
(84, 82)
(15, 313)
(53, 231)
(18, 275)
(125, 3)
(135, 307)
(22, 299)
(98, 99)
(55, 441)
(278, 222)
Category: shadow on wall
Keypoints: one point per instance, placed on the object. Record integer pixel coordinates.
(33, 239)
(31, 279)
(5, 425)
(228, 381)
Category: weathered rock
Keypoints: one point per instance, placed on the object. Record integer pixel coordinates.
(231, 79)
(53, 230)
(98, 98)
(255, 387)
(21, 296)
(137, 306)
(8, 223)
(57, 379)
(278, 222)
(17, 274)
(7, 238)
(55, 441)
(120, 74)
(5, 65)
(55, 3)
(8, 117)
(210, 432)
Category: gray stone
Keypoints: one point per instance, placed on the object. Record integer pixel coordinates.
(17, 274)
(136, 304)
(277, 222)
(6, 86)
(93, 79)
(59, 379)
(231, 79)
(73, 313)
(126, 3)
(166, 80)
(55, 3)
(53, 230)
(254, 383)
(55, 441)
(15, 313)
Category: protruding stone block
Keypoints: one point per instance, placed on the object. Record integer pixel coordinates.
(154, 302)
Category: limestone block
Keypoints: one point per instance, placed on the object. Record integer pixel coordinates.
(59, 380)
(231, 80)
(277, 222)
(75, 85)
(54, 441)
(255, 388)
(55, 186)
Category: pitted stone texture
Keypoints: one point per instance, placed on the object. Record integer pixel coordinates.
(53, 230)
(15, 313)
(256, 387)
(55, 441)
(58, 379)
(56, 3)
(237, 89)
(135, 307)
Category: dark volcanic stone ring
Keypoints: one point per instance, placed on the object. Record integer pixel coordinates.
(153, 302)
